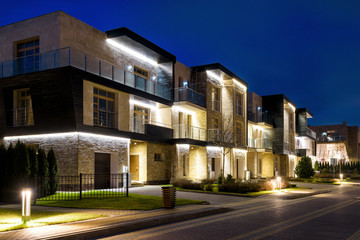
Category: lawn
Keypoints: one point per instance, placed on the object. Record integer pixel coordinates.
(10, 219)
(133, 202)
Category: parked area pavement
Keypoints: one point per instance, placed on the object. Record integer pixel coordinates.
(120, 221)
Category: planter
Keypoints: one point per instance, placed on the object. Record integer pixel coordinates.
(169, 197)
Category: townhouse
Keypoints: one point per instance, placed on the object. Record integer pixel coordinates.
(337, 143)
(111, 102)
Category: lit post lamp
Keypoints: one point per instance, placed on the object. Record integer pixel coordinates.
(26, 204)
(341, 177)
(278, 183)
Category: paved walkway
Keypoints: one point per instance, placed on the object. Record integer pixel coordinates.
(130, 220)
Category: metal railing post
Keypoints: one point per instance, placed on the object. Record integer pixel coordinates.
(69, 56)
(127, 184)
(80, 186)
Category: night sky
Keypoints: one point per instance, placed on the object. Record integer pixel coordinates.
(308, 50)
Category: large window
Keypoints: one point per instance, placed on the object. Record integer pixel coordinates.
(215, 99)
(239, 98)
(141, 117)
(141, 72)
(23, 113)
(27, 53)
(104, 108)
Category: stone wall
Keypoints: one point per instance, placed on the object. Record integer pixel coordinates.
(46, 27)
(182, 153)
(65, 147)
(267, 165)
(159, 171)
(197, 163)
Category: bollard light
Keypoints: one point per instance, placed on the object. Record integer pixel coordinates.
(278, 182)
(341, 177)
(26, 204)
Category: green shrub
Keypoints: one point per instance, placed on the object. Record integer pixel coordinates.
(187, 184)
(3, 169)
(43, 174)
(53, 171)
(207, 184)
(33, 161)
(220, 177)
(316, 166)
(304, 168)
(229, 179)
(239, 187)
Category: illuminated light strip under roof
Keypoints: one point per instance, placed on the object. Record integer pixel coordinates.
(292, 107)
(142, 104)
(213, 75)
(240, 84)
(131, 51)
(181, 109)
(49, 135)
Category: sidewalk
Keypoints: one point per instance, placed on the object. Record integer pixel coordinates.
(119, 221)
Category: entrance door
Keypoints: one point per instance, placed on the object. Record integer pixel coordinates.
(134, 167)
(102, 171)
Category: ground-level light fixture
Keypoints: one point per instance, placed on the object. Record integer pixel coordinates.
(26, 204)
(341, 177)
(278, 183)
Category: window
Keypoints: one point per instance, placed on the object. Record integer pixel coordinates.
(239, 98)
(157, 157)
(214, 131)
(212, 164)
(141, 117)
(23, 113)
(27, 51)
(104, 105)
(141, 72)
(239, 133)
(215, 99)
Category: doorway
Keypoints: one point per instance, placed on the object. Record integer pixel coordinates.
(134, 167)
(102, 171)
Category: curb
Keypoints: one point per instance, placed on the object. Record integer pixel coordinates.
(301, 195)
(122, 227)
(224, 194)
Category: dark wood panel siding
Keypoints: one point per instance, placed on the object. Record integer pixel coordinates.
(52, 102)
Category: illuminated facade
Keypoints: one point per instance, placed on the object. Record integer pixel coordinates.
(337, 143)
(109, 102)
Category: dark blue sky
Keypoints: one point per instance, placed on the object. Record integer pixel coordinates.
(308, 50)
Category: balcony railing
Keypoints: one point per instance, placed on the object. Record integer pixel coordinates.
(215, 105)
(337, 138)
(104, 119)
(20, 117)
(310, 133)
(138, 125)
(260, 143)
(70, 57)
(261, 117)
(190, 132)
(188, 94)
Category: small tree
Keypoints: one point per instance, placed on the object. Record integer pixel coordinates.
(21, 161)
(43, 173)
(53, 171)
(316, 166)
(33, 161)
(304, 169)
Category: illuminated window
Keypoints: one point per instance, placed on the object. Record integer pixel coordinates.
(215, 98)
(23, 112)
(104, 108)
(239, 98)
(141, 117)
(141, 72)
(214, 130)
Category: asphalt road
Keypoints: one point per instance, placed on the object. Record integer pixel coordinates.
(333, 215)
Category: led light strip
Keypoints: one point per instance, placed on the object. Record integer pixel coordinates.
(131, 51)
(213, 75)
(142, 104)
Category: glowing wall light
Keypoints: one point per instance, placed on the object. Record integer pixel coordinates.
(278, 183)
(184, 110)
(292, 107)
(214, 76)
(131, 51)
(142, 104)
(239, 84)
(26, 204)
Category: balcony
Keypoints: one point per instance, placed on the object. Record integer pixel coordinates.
(260, 143)
(189, 132)
(330, 138)
(188, 94)
(263, 117)
(70, 57)
(310, 133)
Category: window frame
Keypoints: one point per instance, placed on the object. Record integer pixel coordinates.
(109, 123)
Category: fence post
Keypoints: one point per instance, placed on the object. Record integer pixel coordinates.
(80, 186)
(127, 184)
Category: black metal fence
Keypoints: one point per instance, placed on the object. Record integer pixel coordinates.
(80, 187)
